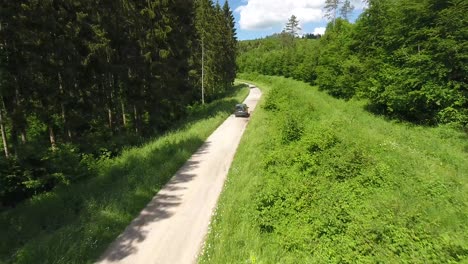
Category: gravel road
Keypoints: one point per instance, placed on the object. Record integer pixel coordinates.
(172, 227)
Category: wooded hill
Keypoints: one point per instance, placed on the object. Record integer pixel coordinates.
(81, 79)
(410, 59)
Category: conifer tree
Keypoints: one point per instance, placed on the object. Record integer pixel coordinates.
(230, 44)
(292, 26)
(208, 24)
(346, 9)
(331, 9)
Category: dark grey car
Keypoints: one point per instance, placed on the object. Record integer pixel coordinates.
(241, 110)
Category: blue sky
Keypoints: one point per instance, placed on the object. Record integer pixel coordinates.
(260, 18)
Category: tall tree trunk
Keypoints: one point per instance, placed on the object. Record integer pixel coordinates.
(65, 121)
(14, 137)
(110, 100)
(53, 143)
(136, 119)
(124, 118)
(4, 139)
(23, 136)
(63, 109)
(109, 117)
(20, 116)
(17, 117)
(64, 116)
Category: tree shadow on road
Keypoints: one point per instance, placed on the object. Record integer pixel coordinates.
(160, 207)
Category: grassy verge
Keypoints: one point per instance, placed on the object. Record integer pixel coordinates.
(75, 224)
(320, 180)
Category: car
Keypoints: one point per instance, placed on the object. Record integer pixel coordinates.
(241, 110)
(251, 86)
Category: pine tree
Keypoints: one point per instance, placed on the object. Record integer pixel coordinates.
(346, 9)
(209, 29)
(292, 26)
(230, 44)
(331, 9)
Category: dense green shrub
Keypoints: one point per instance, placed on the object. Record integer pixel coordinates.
(39, 171)
(291, 130)
(338, 70)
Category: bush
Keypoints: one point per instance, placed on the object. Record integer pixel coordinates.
(291, 130)
(40, 171)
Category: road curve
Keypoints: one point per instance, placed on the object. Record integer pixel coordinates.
(172, 227)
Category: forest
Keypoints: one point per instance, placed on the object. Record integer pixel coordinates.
(82, 80)
(408, 59)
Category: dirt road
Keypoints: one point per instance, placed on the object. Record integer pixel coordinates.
(172, 227)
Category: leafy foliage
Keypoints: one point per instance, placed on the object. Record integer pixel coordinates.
(419, 76)
(408, 59)
(277, 55)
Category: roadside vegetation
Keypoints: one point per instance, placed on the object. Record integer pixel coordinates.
(75, 223)
(322, 180)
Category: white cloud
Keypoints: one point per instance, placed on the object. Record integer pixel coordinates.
(266, 14)
(359, 4)
(319, 31)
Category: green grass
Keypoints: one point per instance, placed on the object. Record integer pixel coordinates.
(75, 224)
(320, 180)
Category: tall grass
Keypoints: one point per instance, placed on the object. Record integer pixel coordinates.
(321, 180)
(75, 224)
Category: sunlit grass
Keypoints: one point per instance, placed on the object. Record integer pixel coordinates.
(75, 224)
(354, 188)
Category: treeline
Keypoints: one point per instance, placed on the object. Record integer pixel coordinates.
(280, 55)
(408, 58)
(81, 79)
